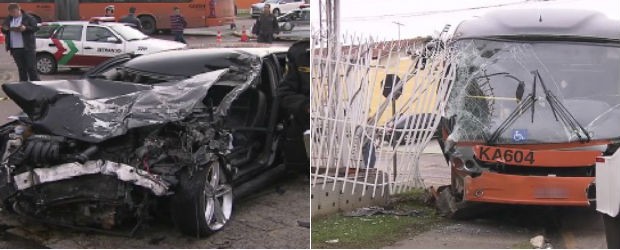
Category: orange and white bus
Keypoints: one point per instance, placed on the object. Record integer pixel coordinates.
(154, 14)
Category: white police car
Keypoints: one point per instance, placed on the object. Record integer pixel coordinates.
(82, 44)
(277, 6)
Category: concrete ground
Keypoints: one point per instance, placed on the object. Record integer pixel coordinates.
(268, 219)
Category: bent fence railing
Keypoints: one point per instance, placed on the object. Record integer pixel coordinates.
(374, 107)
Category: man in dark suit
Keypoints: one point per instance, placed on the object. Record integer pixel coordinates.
(132, 19)
(294, 94)
(266, 25)
(19, 29)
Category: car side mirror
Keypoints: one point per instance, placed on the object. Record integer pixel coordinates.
(519, 92)
(112, 40)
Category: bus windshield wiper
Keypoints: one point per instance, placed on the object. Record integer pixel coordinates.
(561, 113)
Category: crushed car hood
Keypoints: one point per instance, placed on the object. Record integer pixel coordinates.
(95, 110)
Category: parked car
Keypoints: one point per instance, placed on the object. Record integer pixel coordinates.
(81, 44)
(277, 6)
(507, 143)
(294, 25)
(136, 137)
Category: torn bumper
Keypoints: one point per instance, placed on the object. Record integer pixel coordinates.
(527, 190)
(65, 171)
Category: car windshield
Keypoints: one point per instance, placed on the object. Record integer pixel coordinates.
(494, 79)
(272, 1)
(129, 33)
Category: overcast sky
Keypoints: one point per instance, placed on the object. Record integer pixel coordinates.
(422, 17)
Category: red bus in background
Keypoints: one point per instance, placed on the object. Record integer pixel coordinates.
(154, 14)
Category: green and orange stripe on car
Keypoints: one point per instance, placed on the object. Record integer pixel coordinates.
(60, 55)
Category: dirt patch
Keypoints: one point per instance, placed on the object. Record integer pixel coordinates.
(340, 231)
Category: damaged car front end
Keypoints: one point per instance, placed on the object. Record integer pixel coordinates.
(95, 154)
(532, 105)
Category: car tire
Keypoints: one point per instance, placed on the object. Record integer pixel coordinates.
(203, 202)
(612, 231)
(276, 12)
(149, 26)
(46, 64)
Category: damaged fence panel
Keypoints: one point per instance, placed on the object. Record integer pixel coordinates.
(375, 106)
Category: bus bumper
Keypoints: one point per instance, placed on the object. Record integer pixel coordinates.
(527, 190)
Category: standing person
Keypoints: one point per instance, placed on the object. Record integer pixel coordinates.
(109, 11)
(19, 29)
(266, 25)
(177, 25)
(132, 19)
(294, 95)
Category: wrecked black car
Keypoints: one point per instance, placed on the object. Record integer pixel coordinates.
(137, 137)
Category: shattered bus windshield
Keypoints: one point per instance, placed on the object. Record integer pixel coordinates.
(573, 90)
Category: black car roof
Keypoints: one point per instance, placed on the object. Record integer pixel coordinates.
(193, 61)
(540, 22)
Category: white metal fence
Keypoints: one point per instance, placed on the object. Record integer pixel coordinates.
(364, 133)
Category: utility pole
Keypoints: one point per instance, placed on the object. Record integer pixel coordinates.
(398, 24)
(336, 21)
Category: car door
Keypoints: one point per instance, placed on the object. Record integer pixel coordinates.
(100, 44)
(68, 42)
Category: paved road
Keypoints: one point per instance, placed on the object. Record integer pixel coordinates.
(268, 219)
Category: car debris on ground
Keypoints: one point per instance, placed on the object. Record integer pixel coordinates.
(371, 211)
(334, 241)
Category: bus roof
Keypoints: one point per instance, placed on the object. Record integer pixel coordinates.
(539, 22)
